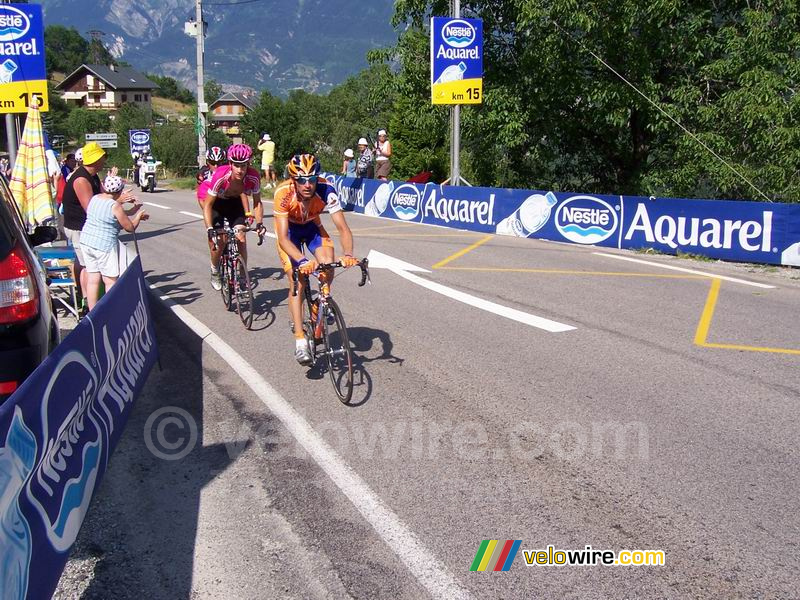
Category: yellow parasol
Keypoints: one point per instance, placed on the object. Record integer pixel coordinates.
(30, 183)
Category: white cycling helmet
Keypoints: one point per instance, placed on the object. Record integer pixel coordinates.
(79, 154)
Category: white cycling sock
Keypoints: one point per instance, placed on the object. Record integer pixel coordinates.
(301, 343)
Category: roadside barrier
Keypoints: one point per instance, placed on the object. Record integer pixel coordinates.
(59, 429)
(754, 232)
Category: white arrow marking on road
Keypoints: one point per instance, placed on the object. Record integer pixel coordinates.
(378, 260)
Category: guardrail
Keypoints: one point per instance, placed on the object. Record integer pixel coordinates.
(724, 229)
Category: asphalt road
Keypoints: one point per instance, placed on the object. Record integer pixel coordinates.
(664, 418)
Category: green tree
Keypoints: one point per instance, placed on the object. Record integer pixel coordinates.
(212, 91)
(175, 144)
(556, 117)
(82, 121)
(64, 49)
(170, 88)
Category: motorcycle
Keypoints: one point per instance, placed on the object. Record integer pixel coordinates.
(147, 175)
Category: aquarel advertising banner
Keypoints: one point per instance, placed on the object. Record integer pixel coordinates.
(729, 230)
(23, 77)
(139, 141)
(59, 429)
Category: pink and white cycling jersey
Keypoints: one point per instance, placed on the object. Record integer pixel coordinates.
(222, 179)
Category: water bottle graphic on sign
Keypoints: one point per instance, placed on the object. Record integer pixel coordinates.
(452, 73)
(380, 200)
(7, 70)
(529, 217)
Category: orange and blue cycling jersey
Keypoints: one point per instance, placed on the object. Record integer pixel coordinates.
(288, 204)
(305, 226)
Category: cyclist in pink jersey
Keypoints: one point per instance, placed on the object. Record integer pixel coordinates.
(231, 187)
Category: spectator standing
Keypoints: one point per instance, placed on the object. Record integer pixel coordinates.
(267, 147)
(105, 218)
(349, 164)
(70, 164)
(364, 164)
(383, 153)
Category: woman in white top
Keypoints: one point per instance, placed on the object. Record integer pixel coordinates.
(105, 217)
(383, 150)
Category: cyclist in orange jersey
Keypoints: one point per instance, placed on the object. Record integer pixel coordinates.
(298, 203)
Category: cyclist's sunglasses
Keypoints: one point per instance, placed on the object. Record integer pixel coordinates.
(305, 180)
(241, 165)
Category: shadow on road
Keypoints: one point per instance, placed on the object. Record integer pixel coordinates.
(141, 528)
(181, 292)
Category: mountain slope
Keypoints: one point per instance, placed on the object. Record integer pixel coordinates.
(277, 45)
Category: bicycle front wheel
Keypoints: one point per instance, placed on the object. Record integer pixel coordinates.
(227, 281)
(244, 294)
(338, 352)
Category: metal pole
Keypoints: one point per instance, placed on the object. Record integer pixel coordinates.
(201, 100)
(11, 138)
(11, 127)
(455, 125)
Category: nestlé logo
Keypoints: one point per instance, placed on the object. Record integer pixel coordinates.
(13, 23)
(405, 202)
(586, 220)
(458, 33)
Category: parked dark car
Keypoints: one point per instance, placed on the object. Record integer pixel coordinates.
(28, 325)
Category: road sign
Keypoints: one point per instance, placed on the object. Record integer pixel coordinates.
(107, 143)
(456, 61)
(96, 137)
(23, 77)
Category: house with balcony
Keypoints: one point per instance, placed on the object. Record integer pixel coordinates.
(227, 111)
(107, 87)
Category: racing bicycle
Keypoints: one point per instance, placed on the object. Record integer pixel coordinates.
(325, 329)
(233, 273)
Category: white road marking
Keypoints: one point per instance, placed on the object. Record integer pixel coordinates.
(188, 214)
(427, 569)
(683, 270)
(378, 260)
(157, 205)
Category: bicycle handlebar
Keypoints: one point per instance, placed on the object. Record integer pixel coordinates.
(226, 231)
(363, 264)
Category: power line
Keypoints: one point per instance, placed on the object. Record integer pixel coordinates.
(661, 110)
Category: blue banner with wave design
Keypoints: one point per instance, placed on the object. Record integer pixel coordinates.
(59, 429)
(729, 230)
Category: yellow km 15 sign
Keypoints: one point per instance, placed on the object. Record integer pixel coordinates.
(463, 91)
(17, 96)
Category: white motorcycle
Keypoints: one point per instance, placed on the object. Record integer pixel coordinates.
(147, 175)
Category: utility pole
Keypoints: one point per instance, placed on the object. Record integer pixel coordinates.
(201, 95)
(455, 124)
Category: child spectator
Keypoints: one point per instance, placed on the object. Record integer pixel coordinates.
(349, 164)
(99, 241)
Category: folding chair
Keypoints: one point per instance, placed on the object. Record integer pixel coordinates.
(58, 261)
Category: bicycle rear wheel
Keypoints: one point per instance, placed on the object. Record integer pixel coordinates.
(338, 352)
(244, 294)
(226, 279)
